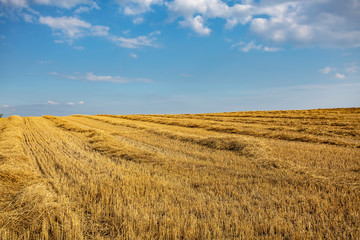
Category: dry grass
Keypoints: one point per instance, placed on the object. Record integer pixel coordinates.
(247, 175)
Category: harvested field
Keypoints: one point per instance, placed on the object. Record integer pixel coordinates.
(247, 175)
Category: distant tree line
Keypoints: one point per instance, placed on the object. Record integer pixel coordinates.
(1, 115)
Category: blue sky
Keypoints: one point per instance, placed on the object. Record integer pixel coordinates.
(177, 56)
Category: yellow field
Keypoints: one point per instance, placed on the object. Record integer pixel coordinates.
(247, 175)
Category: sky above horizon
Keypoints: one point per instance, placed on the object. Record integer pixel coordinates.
(177, 56)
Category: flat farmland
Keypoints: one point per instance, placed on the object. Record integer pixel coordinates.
(237, 175)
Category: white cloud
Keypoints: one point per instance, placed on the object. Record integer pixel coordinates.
(340, 76)
(251, 45)
(75, 104)
(16, 3)
(98, 30)
(196, 12)
(137, 42)
(246, 47)
(271, 49)
(350, 68)
(98, 78)
(302, 23)
(133, 55)
(73, 27)
(211, 9)
(136, 7)
(58, 3)
(82, 9)
(28, 18)
(197, 24)
(89, 76)
(126, 32)
(63, 3)
(52, 103)
(329, 23)
(326, 70)
(281, 23)
(138, 20)
(5, 106)
(85, 9)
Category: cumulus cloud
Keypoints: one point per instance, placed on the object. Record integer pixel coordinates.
(5, 106)
(195, 13)
(199, 11)
(326, 70)
(211, 9)
(73, 27)
(302, 23)
(197, 24)
(340, 76)
(282, 23)
(329, 23)
(89, 76)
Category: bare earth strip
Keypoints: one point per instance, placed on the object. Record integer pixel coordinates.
(181, 176)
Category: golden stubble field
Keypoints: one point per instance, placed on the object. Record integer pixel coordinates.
(239, 175)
